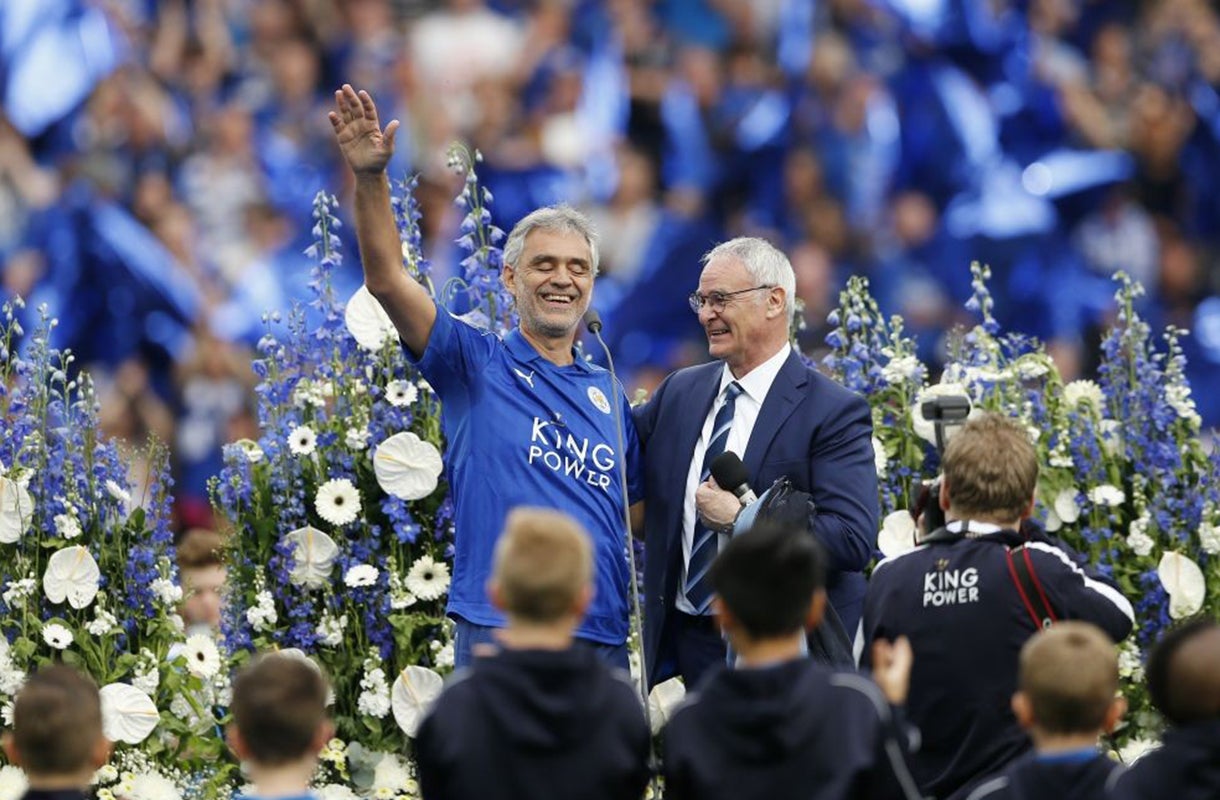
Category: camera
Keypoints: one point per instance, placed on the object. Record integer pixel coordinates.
(944, 412)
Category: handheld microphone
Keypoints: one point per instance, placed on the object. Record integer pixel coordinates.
(731, 474)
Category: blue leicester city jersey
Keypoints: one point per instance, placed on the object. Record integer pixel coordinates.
(523, 431)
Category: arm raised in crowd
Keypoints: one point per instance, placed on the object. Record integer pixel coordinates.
(367, 149)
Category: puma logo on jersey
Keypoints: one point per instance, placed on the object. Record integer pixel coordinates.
(527, 378)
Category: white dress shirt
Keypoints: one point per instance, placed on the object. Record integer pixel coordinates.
(755, 384)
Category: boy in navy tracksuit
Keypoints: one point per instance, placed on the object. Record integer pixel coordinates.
(1067, 698)
(57, 734)
(279, 725)
(957, 598)
(780, 725)
(544, 717)
(1184, 683)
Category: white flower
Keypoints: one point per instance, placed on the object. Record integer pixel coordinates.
(1129, 663)
(1107, 495)
(401, 600)
(407, 467)
(897, 533)
(152, 786)
(1209, 538)
(393, 773)
(177, 622)
(1136, 749)
(1060, 457)
(302, 441)
(1030, 367)
(57, 635)
(443, 657)
(1111, 436)
(202, 657)
(337, 501)
(119, 493)
(361, 575)
(11, 678)
(330, 630)
(415, 690)
(166, 591)
(665, 698)
(401, 393)
(72, 574)
(66, 526)
(1082, 391)
(900, 370)
(147, 681)
(368, 322)
(250, 450)
(16, 510)
(424, 386)
(1053, 523)
(1066, 507)
(335, 791)
(880, 459)
(428, 579)
(313, 556)
(128, 713)
(13, 783)
(1179, 399)
(262, 615)
(18, 591)
(374, 700)
(6, 714)
(356, 438)
(1185, 584)
(1137, 536)
(106, 774)
(103, 623)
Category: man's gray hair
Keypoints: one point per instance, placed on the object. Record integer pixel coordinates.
(555, 219)
(766, 263)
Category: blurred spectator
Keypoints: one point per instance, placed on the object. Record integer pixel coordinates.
(201, 571)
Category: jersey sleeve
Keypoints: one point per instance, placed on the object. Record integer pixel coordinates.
(456, 352)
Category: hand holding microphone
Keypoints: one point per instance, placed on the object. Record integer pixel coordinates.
(720, 499)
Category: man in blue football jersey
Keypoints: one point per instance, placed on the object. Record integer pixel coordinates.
(526, 420)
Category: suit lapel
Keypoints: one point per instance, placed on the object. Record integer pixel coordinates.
(783, 398)
(703, 394)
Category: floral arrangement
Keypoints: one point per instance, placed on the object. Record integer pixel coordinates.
(342, 526)
(87, 579)
(1125, 479)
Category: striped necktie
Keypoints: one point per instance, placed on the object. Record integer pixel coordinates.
(705, 542)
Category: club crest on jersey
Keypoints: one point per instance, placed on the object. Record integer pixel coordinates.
(598, 398)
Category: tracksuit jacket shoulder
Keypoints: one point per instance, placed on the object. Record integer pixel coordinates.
(1185, 767)
(1043, 777)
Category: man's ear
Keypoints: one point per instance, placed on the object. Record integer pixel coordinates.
(1023, 709)
(508, 277)
(944, 494)
(10, 749)
(324, 733)
(728, 622)
(236, 743)
(101, 752)
(777, 301)
(817, 610)
(1028, 511)
(1114, 714)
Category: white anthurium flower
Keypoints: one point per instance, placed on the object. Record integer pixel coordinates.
(1053, 523)
(897, 534)
(313, 557)
(1066, 506)
(407, 467)
(1184, 582)
(1107, 495)
(368, 322)
(16, 510)
(414, 692)
(664, 698)
(13, 783)
(72, 574)
(128, 714)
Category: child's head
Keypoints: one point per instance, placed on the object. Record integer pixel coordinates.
(1068, 682)
(1183, 678)
(279, 711)
(203, 576)
(543, 568)
(57, 728)
(770, 582)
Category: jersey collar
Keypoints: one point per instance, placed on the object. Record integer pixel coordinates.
(523, 351)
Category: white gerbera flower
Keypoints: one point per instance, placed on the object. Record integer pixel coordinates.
(152, 786)
(337, 501)
(66, 526)
(119, 493)
(401, 393)
(428, 579)
(57, 635)
(13, 783)
(335, 791)
(1082, 391)
(1107, 495)
(302, 441)
(202, 657)
(361, 575)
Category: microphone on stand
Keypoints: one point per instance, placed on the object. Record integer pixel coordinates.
(731, 474)
(593, 323)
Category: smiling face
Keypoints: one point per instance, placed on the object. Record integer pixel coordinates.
(751, 327)
(552, 283)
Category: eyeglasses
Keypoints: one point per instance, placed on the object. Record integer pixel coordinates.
(718, 300)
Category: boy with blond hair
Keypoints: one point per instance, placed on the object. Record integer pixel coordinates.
(57, 734)
(1067, 697)
(543, 717)
(279, 725)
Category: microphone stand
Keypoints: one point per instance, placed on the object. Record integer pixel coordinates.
(593, 323)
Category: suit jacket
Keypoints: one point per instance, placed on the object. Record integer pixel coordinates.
(809, 428)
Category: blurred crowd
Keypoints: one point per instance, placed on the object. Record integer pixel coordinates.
(158, 160)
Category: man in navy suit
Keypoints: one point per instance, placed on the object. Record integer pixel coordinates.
(759, 400)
